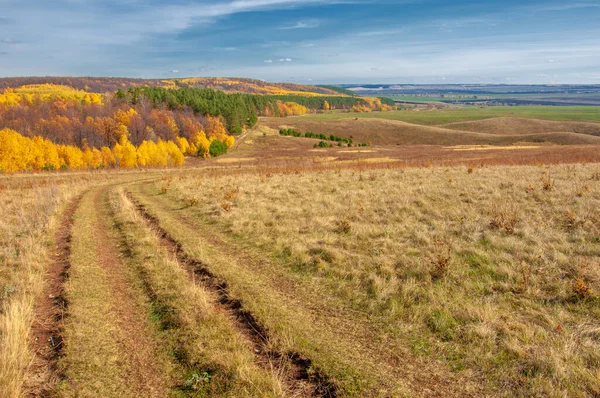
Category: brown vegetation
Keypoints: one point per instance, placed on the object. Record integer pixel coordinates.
(524, 126)
(394, 132)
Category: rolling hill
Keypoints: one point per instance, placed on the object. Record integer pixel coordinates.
(393, 132)
(523, 126)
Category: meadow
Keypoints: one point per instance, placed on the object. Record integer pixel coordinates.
(455, 255)
(380, 281)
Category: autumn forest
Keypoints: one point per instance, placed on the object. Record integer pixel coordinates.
(50, 126)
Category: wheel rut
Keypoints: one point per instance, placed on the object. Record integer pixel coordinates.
(50, 311)
(296, 370)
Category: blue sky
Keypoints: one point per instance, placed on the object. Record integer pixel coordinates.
(306, 41)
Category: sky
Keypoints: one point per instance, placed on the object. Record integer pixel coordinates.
(306, 41)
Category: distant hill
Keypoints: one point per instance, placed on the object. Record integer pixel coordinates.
(233, 85)
(520, 126)
(394, 132)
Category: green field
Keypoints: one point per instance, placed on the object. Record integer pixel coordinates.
(443, 116)
(448, 97)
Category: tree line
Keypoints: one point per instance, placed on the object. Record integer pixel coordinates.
(242, 110)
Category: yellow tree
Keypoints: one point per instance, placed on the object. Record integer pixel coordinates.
(13, 151)
(175, 157)
(202, 143)
(125, 153)
(71, 156)
(183, 144)
(108, 158)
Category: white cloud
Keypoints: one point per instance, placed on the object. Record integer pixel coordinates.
(268, 61)
(572, 6)
(174, 71)
(285, 60)
(310, 24)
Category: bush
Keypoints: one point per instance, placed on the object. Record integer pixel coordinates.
(217, 148)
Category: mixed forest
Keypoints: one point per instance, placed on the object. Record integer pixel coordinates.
(50, 126)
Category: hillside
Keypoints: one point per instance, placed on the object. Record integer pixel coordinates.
(519, 126)
(393, 132)
(230, 85)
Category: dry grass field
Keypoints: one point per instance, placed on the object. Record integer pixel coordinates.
(280, 270)
(495, 131)
(487, 278)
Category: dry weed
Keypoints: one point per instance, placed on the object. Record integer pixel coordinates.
(582, 289)
(547, 182)
(504, 217)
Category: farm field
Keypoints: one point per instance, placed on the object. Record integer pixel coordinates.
(355, 281)
(538, 98)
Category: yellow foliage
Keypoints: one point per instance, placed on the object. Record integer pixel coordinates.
(230, 141)
(361, 108)
(215, 128)
(47, 92)
(183, 144)
(124, 117)
(175, 157)
(108, 159)
(19, 153)
(290, 108)
(125, 153)
(16, 152)
(46, 155)
(247, 86)
(71, 156)
(201, 143)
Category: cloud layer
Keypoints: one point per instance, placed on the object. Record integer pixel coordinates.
(413, 41)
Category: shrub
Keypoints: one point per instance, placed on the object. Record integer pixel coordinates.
(441, 265)
(190, 202)
(217, 148)
(503, 218)
(344, 226)
(582, 289)
(547, 182)
(230, 195)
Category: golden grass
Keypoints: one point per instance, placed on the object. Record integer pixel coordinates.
(203, 338)
(29, 211)
(484, 269)
(233, 160)
(392, 281)
(281, 302)
(93, 361)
